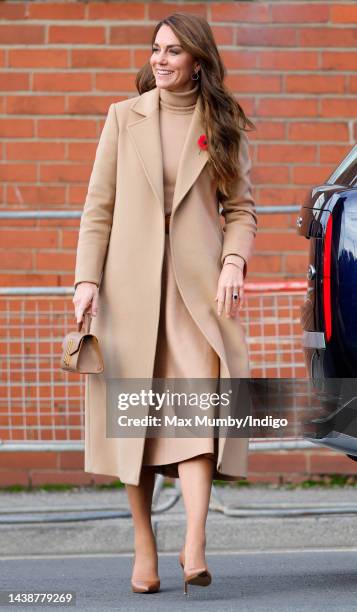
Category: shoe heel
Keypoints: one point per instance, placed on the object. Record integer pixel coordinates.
(201, 578)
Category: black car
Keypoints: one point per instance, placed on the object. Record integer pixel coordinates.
(328, 219)
(329, 314)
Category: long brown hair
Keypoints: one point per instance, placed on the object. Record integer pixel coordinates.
(223, 117)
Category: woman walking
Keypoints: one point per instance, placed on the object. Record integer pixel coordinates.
(161, 277)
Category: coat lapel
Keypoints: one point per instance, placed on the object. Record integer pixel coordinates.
(145, 134)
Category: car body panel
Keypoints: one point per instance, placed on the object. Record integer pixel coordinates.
(332, 354)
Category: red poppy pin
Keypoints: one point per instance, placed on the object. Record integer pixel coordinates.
(202, 142)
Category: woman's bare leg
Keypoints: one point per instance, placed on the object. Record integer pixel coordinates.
(140, 500)
(196, 482)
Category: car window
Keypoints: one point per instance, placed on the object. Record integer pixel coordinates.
(346, 173)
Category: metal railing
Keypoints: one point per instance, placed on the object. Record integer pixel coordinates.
(76, 214)
(41, 406)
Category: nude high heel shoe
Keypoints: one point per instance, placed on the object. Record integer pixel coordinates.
(145, 586)
(199, 576)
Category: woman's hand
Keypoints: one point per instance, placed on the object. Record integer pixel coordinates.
(230, 281)
(85, 298)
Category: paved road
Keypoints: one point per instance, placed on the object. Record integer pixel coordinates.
(295, 581)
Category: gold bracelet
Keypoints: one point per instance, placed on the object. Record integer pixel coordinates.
(226, 263)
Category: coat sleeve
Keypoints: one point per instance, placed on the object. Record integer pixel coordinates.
(96, 220)
(239, 211)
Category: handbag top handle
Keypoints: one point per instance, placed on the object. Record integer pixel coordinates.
(87, 318)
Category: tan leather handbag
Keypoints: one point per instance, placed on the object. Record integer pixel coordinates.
(81, 352)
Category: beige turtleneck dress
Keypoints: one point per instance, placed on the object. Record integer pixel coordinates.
(182, 351)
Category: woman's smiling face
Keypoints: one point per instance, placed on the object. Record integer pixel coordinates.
(176, 63)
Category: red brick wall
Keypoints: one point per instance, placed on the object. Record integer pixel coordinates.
(282, 467)
(289, 63)
(292, 67)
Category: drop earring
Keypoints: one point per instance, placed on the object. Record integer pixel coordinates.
(195, 75)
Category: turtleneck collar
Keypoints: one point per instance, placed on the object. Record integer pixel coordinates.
(179, 100)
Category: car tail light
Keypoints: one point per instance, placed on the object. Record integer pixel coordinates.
(327, 279)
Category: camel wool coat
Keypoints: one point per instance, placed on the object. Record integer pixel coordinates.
(120, 248)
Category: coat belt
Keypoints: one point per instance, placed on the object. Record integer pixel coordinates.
(167, 222)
